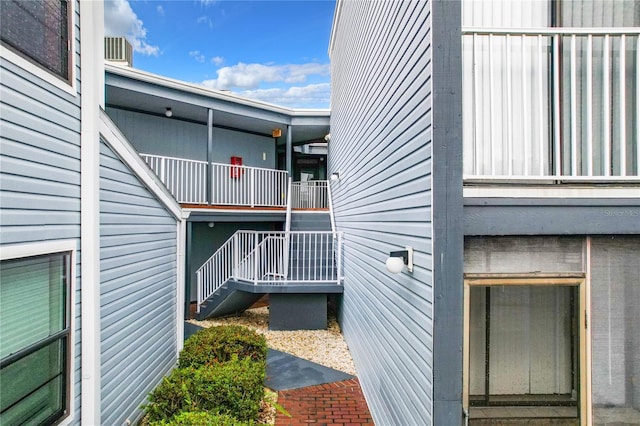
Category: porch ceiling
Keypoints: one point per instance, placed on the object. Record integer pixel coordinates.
(142, 92)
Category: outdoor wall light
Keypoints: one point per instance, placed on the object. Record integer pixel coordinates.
(210, 224)
(335, 176)
(327, 137)
(399, 259)
(168, 112)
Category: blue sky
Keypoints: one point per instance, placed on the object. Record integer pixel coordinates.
(273, 51)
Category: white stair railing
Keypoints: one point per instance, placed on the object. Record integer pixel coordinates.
(272, 258)
(311, 194)
(216, 270)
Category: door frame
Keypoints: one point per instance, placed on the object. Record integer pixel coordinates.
(572, 279)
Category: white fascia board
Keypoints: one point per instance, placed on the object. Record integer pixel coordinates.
(195, 89)
(113, 137)
(334, 26)
(92, 75)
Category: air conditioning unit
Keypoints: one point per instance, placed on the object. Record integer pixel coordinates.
(118, 49)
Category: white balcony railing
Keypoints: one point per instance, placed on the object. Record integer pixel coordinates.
(551, 104)
(248, 186)
(311, 194)
(273, 258)
(230, 184)
(185, 179)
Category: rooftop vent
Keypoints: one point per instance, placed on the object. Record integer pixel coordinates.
(118, 49)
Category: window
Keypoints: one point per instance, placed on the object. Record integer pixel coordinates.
(35, 334)
(550, 88)
(40, 31)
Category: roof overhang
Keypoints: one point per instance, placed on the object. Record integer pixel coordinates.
(135, 90)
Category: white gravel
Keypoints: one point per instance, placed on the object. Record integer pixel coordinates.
(325, 347)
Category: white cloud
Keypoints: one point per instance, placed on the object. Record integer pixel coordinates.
(199, 57)
(206, 3)
(121, 20)
(249, 76)
(160, 10)
(205, 20)
(310, 96)
(217, 60)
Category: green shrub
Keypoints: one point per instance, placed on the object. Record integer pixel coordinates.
(201, 418)
(218, 344)
(234, 388)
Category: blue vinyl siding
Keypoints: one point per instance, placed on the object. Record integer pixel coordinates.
(381, 145)
(137, 292)
(40, 170)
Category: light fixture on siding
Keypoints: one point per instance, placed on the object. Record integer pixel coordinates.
(211, 224)
(327, 137)
(168, 112)
(399, 259)
(335, 176)
(276, 133)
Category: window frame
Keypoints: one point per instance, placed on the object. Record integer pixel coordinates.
(30, 65)
(69, 248)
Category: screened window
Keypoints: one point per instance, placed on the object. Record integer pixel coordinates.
(35, 335)
(38, 30)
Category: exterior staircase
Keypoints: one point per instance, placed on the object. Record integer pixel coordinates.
(297, 267)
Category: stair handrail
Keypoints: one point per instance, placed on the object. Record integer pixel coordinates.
(206, 288)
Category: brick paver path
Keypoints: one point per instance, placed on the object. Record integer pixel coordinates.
(336, 404)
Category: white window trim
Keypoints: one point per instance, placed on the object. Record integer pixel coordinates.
(52, 247)
(41, 72)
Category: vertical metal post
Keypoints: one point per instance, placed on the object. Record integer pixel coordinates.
(574, 107)
(255, 259)
(557, 156)
(339, 260)
(589, 105)
(289, 153)
(235, 256)
(198, 290)
(252, 186)
(623, 106)
(525, 103)
(508, 68)
(209, 155)
(637, 106)
(606, 108)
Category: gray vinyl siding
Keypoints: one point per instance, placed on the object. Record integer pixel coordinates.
(151, 134)
(138, 250)
(40, 171)
(381, 144)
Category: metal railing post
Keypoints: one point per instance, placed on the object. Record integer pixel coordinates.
(235, 256)
(339, 260)
(252, 186)
(198, 290)
(255, 259)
